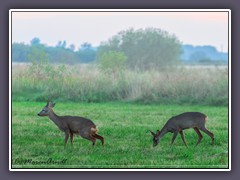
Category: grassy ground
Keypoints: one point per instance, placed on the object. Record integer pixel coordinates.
(37, 142)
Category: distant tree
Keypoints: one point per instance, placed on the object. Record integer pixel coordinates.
(20, 52)
(61, 44)
(112, 62)
(198, 55)
(145, 48)
(64, 44)
(72, 47)
(86, 45)
(195, 53)
(61, 55)
(39, 60)
(38, 54)
(35, 41)
(86, 53)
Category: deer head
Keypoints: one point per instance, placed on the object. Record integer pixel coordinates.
(156, 138)
(46, 109)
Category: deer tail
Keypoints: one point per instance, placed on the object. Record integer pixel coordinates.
(94, 130)
(206, 118)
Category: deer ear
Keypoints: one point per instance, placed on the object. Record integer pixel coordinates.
(152, 133)
(52, 104)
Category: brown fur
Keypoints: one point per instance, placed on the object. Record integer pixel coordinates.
(71, 125)
(206, 118)
(93, 130)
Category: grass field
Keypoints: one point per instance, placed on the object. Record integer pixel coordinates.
(38, 143)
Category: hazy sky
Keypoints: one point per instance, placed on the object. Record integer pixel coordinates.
(196, 28)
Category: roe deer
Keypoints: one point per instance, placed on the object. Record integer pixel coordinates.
(177, 124)
(71, 125)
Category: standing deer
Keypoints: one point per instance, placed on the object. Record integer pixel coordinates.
(71, 125)
(177, 124)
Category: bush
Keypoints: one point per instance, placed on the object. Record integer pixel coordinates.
(112, 62)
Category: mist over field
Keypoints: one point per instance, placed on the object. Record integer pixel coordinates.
(86, 83)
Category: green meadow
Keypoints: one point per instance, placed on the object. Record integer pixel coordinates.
(38, 143)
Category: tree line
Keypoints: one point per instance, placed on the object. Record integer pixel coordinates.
(37, 51)
(141, 49)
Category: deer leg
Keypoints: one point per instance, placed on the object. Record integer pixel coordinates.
(90, 138)
(66, 138)
(71, 137)
(174, 136)
(199, 135)
(99, 137)
(183, 138)
(208, 133)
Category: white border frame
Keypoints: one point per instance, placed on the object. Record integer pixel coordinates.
(123, 10)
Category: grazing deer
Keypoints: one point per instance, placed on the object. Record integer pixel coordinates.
(71, 125)
(177, 124)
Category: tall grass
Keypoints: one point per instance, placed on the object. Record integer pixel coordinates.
(86, 83)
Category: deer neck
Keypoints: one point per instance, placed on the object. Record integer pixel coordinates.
(55, 118)
(162, 132)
